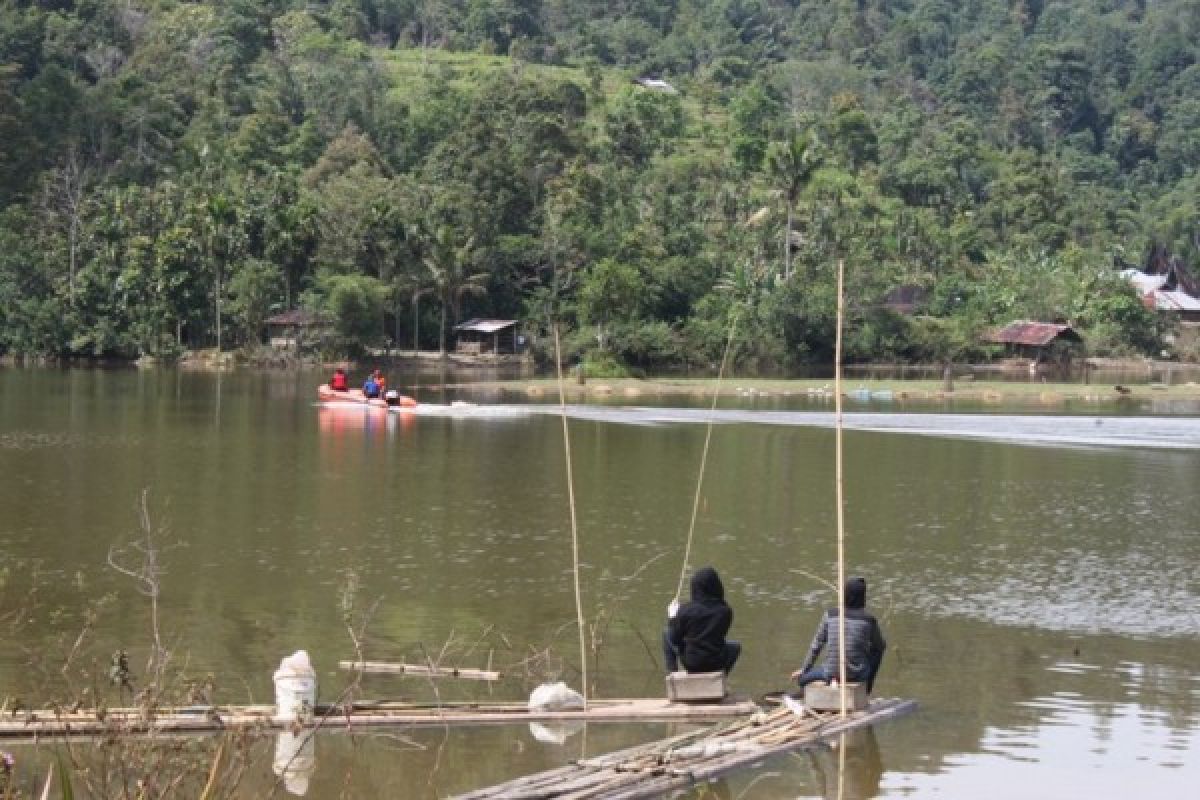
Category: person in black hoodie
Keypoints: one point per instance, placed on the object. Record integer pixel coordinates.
(864, 642)
(695, 635)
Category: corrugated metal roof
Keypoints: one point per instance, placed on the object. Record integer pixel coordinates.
(485, 325)
(297, 316)
(1142, 282)
(1158, 298)
(1175, 301)
(1035, 334)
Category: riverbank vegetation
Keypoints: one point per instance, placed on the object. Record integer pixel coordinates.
(172, 174)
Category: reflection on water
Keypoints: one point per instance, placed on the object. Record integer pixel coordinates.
(295, 760)
(1072, 750)
(1040, 602)
(847, 768)
(555, 732)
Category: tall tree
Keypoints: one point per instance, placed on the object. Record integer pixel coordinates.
(449, 258)
(790, 164)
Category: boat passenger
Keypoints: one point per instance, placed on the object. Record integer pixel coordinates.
(338, 382)
(371, 388)
(864, 642)
(392, 397)
(380, 381)
(695, 635)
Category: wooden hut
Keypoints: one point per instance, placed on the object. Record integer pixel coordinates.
(477, 336)
(1038, 341)
(288, 330)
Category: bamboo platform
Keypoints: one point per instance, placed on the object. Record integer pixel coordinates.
(664, 766)
(48, 723)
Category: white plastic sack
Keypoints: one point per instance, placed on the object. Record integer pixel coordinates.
(555, 697)
(295, 686)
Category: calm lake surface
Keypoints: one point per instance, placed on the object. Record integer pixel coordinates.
(1040, 594)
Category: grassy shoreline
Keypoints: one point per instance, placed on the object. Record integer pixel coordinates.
(981, 391)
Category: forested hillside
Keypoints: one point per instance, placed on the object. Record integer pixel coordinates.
(173, 173)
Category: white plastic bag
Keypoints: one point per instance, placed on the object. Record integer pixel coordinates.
(295, 686)
(555, 697)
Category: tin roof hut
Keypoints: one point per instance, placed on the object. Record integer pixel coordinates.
(477, 336)
(288, 330)
(1039, 341)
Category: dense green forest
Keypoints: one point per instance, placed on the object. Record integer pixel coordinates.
(174, 173)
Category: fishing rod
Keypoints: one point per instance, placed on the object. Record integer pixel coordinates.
(687, 552)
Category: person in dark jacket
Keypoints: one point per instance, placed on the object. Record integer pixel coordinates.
(695, 635)
(864, 642)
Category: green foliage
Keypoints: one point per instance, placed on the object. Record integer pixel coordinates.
(356, 302)
(173, 173)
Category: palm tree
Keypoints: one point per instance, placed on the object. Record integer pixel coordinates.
(790, 164)
(412, 285)
(219, 217)
(448, 261)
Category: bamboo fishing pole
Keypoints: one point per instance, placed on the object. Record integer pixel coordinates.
(562, 405)
(841, 521)
(687, 550)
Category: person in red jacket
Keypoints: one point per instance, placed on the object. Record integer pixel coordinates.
(338, 382)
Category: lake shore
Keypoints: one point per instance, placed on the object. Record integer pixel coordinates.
(960, 390)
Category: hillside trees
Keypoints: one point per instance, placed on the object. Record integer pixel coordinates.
(171, 174)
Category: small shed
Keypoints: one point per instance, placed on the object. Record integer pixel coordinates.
(1040, 341)
(287, 330)
(657, 85)
(906, 299)
(476, 336)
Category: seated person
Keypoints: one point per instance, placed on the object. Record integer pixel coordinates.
(371, 388)
(338, 382)
(864, 642)
(380, 381)
(695, 635)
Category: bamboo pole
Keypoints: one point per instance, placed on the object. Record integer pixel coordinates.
(390, 668)
(841, 506)
(562, 405)
(687, 550)
(52, 723)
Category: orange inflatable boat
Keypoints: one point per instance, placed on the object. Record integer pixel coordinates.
(355, 397)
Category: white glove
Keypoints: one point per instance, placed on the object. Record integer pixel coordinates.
(672, 609)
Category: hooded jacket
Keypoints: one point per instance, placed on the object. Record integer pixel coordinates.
(698, 629)
(864, 639)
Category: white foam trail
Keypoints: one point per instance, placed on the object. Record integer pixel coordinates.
(1175, 433)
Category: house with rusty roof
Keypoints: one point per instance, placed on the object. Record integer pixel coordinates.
(1039, 341)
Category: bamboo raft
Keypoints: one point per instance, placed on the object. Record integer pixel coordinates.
(664, 766)
(50, 723)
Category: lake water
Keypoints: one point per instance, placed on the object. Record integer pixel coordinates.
(1036, 576)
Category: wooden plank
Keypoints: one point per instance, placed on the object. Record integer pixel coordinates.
(421, 670)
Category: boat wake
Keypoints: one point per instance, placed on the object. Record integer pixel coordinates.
(1173, 433)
